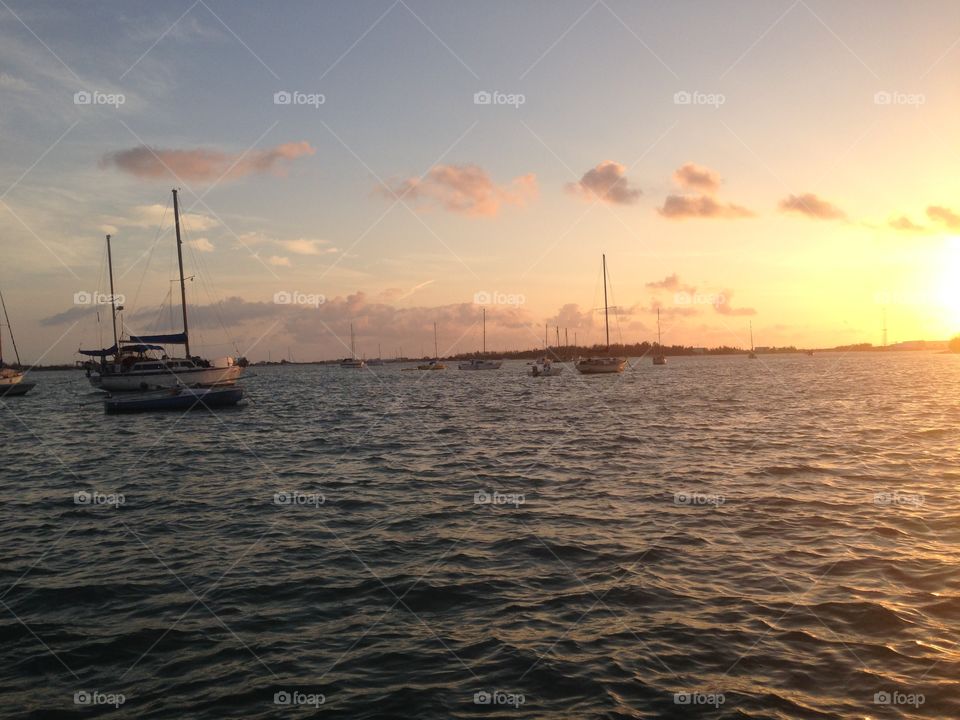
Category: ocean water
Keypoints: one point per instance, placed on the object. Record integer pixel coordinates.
(718, 538)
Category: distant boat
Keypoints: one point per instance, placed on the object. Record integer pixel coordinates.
(353, 361)
(11, 378)
(544, 367)
(378, 360)
(659, 358)
(481, 363)
(752, 355)
(134, 368)
(434, 364)
(602, 365)
(179, 398)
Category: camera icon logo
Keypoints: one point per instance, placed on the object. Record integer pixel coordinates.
(482, 497)
(282, 298)
(482, 98)
(882, 98)
(82, 298)
(82, 697)
(82, 97)
(682, 98)
(282, 498)
(282, 698)
(481, 298)
(282, 97)
(881, 698)
(82, 497)
(482, 698)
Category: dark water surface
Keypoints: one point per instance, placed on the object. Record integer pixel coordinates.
(718, 538)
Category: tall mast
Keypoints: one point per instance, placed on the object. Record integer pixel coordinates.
(606, 311)
(557, 328)
(16, 353)
(113, 299)
(484, 331)
(353, 352)
(183, 286)
(436, 351)
(658, 328)
(751, 335)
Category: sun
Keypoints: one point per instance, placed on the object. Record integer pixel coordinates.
(948, 285)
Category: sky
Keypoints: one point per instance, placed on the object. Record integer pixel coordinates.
(395, 164)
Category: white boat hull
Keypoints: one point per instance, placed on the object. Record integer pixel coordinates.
(10, 377)
(601, 366)
(126, 382)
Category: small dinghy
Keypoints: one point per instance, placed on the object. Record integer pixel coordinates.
(20, 388)
(180, 398)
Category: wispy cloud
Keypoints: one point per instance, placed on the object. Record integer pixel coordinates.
(812, 206)
(464, 189)
(723, 306)
(607, 182)
(202, 164)
(905, 224)
(944, 215)
(679, 207)
(691, 176)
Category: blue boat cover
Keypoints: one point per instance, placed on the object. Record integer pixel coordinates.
(99, 353)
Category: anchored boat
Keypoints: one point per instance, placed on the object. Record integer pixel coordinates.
(11, 378)
(139, 362)
(178, 398)
(605, 364)
(482, 363)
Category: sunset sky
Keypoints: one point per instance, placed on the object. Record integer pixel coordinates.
(787, 163)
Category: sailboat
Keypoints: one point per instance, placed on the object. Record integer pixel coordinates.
(482, 363)
(11, 378)
(434, 364)
(139, 363)
(752, 355)
(658, 357)
(378, 360)
(606, 364)
(353, 361)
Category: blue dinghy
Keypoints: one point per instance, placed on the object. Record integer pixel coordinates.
(179, 398)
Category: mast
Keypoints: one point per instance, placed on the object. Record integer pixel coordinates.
(353, 352)
(659, 343)
(436, 351)
(379, 353)
(557, 328)
(484, 331)
(606, 311)
(183, 286)
(113, 299)
(16, 353)
(751, 336)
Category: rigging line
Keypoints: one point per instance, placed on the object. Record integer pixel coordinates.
(213, 294)
(153, 245)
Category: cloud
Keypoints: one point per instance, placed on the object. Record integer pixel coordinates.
(396, 294)
(202, 164)
(304, 246)
(691, 176)
(944, 215)
(607, 182)
(464, 189)
(153, 216)
(812, 206)
(723, 306)
(906, 224)
(278, 261)
(201, 245)
(671, 282)
(678, 207)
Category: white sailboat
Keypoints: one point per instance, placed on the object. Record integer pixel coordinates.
(434, 364)
(11, 378)
(482, 363)
(658, 357)
(353, 361)
(605, 364)
(139, 362)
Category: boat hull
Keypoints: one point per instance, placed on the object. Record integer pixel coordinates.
(163, 379)
(16, 389)
(184, 400)
(481, 365)
(601, 366)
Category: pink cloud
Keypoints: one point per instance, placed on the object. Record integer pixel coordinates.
(944, 215)
(607, 182)
(691, 176)
(464, 189)
(812, 206)
(202, 164)
(679, 207)
(724, 307)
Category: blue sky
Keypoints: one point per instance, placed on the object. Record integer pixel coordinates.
(799, 117)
